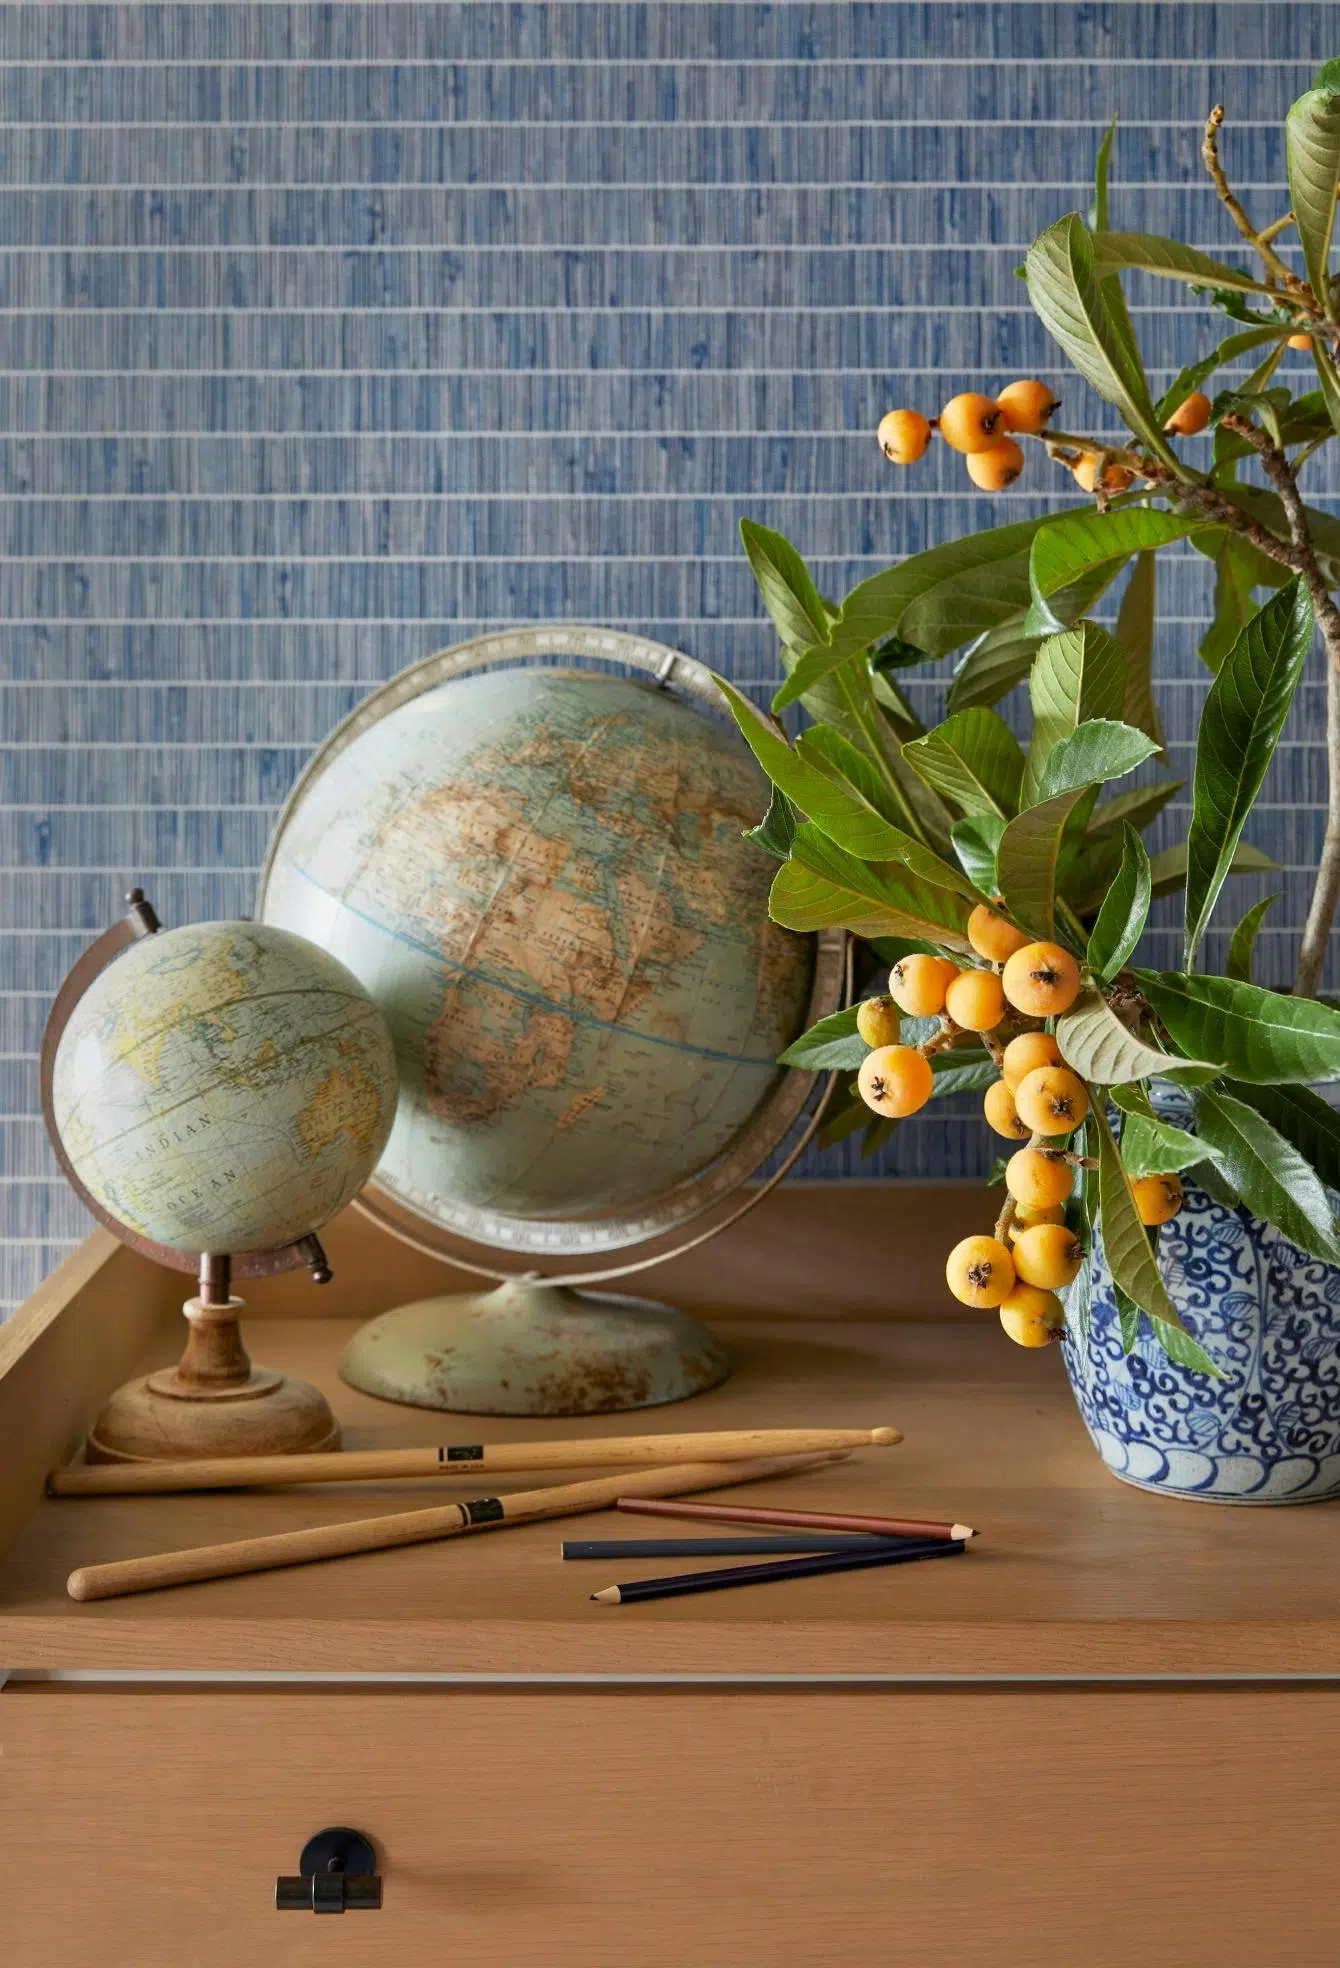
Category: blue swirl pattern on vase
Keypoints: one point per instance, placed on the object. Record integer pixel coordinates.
(1269, 1317)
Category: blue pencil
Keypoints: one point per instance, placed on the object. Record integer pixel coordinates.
(785, 1568)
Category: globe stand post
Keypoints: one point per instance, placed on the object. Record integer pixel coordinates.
(534, 1346)
(214, 1402)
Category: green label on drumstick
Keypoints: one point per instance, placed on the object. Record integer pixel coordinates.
(462, 1452)
(483, 1510)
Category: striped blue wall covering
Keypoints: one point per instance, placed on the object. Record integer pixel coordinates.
(332, 334)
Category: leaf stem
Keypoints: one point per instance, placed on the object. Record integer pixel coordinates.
(1287, 279)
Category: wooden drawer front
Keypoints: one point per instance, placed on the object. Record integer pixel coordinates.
(723, 1829)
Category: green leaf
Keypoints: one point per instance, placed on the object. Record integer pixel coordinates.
(1130, 1260)
(1064, 285)
(844, 1114)
(1100, 750)
(1168, 866)
(1104, 1051)
(1265, 508)
(1135, 638)
(892, 949)
(777, 829)
(1153, 1147)
(1268, 1173)
(836, 806)
(959, 590)
(1258, 1035)
(880, 1128)
(976, 843)
(973, 759)
(953, 1075)
(1312, 147)
(1084, 540)
(1121, 919)
(1327, 375)
(992, 667)
(833, 1045)
(784, 581)
(1195, 374)
(821, 887)
(1029, 857)
(1135, 809)
(824, 748)
(1236, 574)
(1077, 674)
(1307, 1122)
(1243, 945)
(1150, 252)
(1240, 727)
(1102, 164)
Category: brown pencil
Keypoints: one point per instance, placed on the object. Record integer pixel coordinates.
(263, 1554)
(454, 1459)
(810, 1520)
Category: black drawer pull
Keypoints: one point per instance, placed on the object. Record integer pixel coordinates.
(337, 1873)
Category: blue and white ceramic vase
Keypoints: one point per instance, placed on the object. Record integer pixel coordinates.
(1269, 1317)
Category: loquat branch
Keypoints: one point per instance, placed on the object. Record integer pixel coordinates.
(1287, 279)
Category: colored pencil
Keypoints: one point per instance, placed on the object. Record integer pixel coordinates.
(812, 1520)
(724, 1547)
(264, 1554)
(817, 1566)
(454, 1459)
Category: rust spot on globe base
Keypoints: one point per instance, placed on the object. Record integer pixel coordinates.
(535, 1349)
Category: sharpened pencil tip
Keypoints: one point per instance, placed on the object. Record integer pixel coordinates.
(609, 1597)
(884, 1438)
(964, 1531)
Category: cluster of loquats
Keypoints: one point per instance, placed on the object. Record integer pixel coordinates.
(1038, 1102)
(983, 429)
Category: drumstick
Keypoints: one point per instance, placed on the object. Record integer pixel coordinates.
(453, 1459)
(263, 1554)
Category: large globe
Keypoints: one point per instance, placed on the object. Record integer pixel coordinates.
(540, 876)
(224, 1087)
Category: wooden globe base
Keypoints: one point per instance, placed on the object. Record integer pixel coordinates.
(212, 1403)
(534, 1349)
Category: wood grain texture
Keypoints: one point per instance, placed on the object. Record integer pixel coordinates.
(954, 1829)
(1074, 1574)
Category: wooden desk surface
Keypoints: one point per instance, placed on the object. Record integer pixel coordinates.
(1074, 1575)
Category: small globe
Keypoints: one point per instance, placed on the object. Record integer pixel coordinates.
(224, 1087)
(540, 876)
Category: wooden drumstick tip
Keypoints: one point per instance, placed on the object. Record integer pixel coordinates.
(77, 1585)
(884, 1438)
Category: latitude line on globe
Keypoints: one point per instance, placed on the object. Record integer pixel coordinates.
(527, 997)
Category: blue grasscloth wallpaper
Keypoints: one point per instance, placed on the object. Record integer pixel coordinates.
(333, 334)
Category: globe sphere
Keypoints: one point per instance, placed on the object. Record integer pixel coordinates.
(541, 877)
(224, 1087)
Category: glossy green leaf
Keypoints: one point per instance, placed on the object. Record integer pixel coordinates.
(1324, 364)
(1065, 287)
(823, 747)
(833, 1045)
(954, 1075)
(1130, 1260)
(1265, 508)
(1312, 148)
(1168, 866)
(1100, 750)
(1243, 946)
(821, 886)
(1122, 917)
(1196, 374)
(1240, 726)
(977, 843)
(1236, 575)
(784, 581)
(1077, 674)
(1183, 1350)
(1104, 1051)
(1150, 252)
(973, 759)
(1260, 1036)
(777, 829)
(1102, 166)
(1134, 809)
(960, 590)
(1084, 540)
(992, 667)
(1308, 1123)
(1028, 860)
(1268, 1172)
(1135, 638)
(1154, 1147)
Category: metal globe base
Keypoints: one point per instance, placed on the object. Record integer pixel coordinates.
(535, 1348)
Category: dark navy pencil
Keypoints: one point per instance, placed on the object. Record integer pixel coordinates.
(785, 1568)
